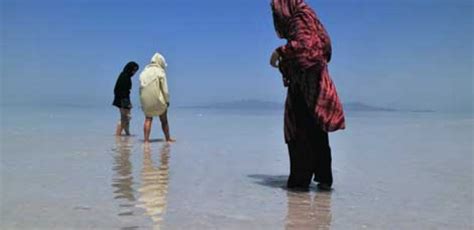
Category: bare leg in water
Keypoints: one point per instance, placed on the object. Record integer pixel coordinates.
(164, 127)
(147, 128)
(118, 129)
(124, 123)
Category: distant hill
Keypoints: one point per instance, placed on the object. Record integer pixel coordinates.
(243, 104)
(357, 106)
(267, 105)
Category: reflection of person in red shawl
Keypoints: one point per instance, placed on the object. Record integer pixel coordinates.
(312, 106)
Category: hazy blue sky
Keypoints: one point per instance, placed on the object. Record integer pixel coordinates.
(405, 54)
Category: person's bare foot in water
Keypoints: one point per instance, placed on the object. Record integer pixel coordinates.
(170, 140)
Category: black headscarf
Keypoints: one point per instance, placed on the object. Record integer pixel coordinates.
(124, 82)
(130, 68)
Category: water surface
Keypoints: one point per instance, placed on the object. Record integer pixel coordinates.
(62, 168)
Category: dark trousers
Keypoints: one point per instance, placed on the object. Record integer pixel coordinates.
(310, 156)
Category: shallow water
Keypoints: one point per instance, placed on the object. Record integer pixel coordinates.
(62, 168)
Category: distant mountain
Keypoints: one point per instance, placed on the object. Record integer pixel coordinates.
(267, 105)
(422, 111)
(357, 106)
(243, 104)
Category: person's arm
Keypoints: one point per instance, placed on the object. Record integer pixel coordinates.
(116, 87)
(164, 89)
(301, 37)
(122, 87)
(129, 86)
(296, 41)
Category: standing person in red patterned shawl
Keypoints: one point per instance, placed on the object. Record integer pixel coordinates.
(312, 107)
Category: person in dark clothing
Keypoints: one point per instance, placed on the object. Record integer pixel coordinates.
(312, 107)
(122, 97)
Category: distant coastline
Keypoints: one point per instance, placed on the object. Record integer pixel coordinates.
(243, 105)
(268, 105)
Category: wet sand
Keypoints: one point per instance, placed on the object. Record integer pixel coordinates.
(61, 168)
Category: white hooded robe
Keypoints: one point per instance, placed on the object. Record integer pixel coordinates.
(154, 96)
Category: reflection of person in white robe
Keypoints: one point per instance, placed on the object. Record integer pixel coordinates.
(154, 187)
(154, 95)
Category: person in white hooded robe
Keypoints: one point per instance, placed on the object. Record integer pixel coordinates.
(154, 96)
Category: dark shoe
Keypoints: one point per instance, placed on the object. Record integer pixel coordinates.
(297, 186)
(324, 187)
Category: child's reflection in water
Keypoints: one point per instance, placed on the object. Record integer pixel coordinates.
(122, 180)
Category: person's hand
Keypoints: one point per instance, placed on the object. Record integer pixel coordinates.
(286, 81)
(275, 59)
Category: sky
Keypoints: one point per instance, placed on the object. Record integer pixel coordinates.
(402, 54)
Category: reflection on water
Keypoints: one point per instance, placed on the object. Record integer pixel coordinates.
(307, 211)
(122, 180)
(154, 186)
(154, 181)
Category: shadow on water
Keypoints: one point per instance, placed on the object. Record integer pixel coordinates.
(273, 181)
(305, 210)
(154, 140)
(154, 187)
(130, 228)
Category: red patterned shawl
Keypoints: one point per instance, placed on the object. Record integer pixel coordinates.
(308, 44)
